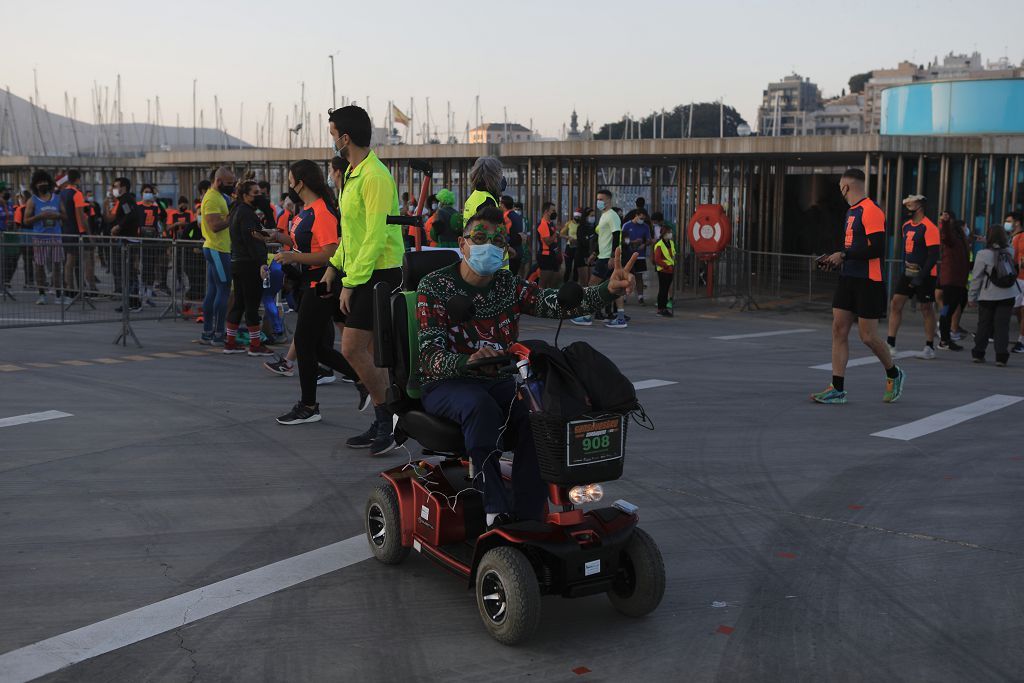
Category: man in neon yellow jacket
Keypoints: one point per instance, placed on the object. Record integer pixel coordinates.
(370, 251)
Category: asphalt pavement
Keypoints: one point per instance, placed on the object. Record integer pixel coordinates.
(797, 545)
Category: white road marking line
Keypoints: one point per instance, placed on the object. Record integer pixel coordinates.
(32, 417)
(949, 418)
(776, 333)
(866, 360)
(652, 383)
(58, 652)
(53, 654)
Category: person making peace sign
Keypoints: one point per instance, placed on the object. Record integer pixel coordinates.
(480, 402)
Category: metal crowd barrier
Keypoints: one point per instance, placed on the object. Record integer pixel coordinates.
(100, 279)
(117, 279)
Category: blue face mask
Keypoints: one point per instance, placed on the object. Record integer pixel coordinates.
(485, 259)
(148, 196)
(600, 205)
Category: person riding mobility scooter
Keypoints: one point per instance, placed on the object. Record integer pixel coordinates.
(443, 504)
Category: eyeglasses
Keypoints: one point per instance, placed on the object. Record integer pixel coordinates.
(498, 239)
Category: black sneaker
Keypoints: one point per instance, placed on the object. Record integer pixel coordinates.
(300, 414)
(364, 440)
(1018, 347)
(324, 376)
(950, 346)
(383, 443)
(364, 397)
(281, 366)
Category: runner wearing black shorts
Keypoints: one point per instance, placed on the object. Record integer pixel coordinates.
(370, 251)
(920, 269)
(860, 295)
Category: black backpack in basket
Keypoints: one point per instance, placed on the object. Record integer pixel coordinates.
(607, 388)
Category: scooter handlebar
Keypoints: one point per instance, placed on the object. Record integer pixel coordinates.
(415, 221)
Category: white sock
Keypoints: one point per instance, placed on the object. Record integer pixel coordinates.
(491, 516)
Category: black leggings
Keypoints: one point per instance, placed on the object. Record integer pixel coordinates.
(664, 287)
(953, 297)
(313, 346)
(245, 275)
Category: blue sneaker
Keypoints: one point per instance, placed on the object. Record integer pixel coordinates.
(617, 323)
(830, 395)
(893, 387)
(582, 320)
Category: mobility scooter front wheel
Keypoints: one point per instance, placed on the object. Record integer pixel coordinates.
(384, 525)
(507, 595)
(640, 583)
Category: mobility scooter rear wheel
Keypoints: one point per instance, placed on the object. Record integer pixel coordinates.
(507, 595)
(384, 526)
(640, 583)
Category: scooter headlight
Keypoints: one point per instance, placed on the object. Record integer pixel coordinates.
(590, 493)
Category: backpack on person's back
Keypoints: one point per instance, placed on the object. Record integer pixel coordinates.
(1004, 271)
(444, 231)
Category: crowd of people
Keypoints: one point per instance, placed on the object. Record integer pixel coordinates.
(947, 269)
(557, 250)
(259, 259)
(935, 267)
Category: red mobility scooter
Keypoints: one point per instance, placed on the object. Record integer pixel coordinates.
(430, 504)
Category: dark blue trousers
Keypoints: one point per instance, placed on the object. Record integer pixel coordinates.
(481, 407)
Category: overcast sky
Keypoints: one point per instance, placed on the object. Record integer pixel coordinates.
(537, 57)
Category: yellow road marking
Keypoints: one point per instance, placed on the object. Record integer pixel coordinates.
(10, 368)
(75, 362)
(164, 354)
(41, 365)
(107, 361)
(136, 358)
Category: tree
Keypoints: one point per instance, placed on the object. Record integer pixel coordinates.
(857, 82)
(705, 123)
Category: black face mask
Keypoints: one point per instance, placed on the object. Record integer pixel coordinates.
(226, 189)
(294, 196)
(43, 188)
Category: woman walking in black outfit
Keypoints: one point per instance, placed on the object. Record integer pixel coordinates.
(248, 268)
(316, 239)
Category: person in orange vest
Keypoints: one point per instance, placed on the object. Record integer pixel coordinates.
(665, 265)
(549, 256)
(920, 270)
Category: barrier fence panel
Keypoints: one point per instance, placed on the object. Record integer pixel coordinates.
(55, 280)
(115, 279)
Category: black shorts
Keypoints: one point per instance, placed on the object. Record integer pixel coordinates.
(549, 262)
(601, 269)
(924, 294)
(360, 314)
(863, 297)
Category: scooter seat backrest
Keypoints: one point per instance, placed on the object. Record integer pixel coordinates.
(406, 335)
(418, 264)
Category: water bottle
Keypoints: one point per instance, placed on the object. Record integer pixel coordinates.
(531, 388)
(535, 388)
